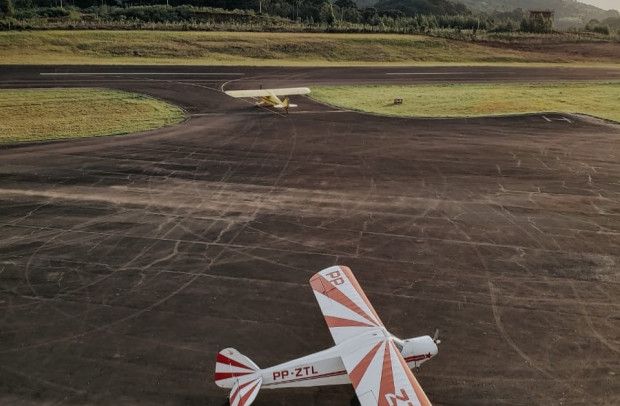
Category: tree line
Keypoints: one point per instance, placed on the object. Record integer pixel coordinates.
(329, 15)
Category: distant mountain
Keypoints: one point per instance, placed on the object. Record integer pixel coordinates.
(604, 4)
(567, 12)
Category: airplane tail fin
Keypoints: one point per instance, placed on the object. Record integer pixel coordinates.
(231, 365)
(236, 371)
(285, 104)
(245, 390)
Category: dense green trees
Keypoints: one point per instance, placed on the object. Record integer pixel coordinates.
(414, 7)
(536, 23)
(6, 8)
(400, 16)
(604, 27)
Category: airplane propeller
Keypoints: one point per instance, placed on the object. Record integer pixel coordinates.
(436, 339)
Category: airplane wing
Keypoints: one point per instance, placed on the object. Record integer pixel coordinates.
(380, 374)
(268, 92)
(347, 310)
(377, 370)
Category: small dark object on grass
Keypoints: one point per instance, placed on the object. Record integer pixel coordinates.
(398, 100)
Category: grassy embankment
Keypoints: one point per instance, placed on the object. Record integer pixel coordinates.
(230, 48)
(470, 100)
(46, 114)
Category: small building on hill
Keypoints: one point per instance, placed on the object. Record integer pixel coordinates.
(542, 14)
(539, 21)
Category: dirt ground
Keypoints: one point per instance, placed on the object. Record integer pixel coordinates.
(126, 263)
(587, 51)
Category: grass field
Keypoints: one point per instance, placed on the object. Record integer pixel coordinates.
(470, 100)
(230, 48)
(46, 114)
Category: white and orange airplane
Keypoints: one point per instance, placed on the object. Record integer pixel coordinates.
(366, 355)
(269, 97)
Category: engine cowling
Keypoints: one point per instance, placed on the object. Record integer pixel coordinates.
(418, 350)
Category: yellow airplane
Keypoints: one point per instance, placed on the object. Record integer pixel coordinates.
(269, 97)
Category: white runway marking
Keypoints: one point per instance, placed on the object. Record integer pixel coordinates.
(256, 113)
(140, 73)
(561, 118)
(107, 80)
(435, 73)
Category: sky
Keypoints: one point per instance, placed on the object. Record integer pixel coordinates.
(604, 4)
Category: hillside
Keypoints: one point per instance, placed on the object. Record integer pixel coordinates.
(568, 12)
(142, 47)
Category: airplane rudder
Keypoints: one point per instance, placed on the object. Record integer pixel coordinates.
(230, 366)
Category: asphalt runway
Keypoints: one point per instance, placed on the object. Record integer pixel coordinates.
(127, 262)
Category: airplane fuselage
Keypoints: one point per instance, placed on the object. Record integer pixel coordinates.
(326, 367)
